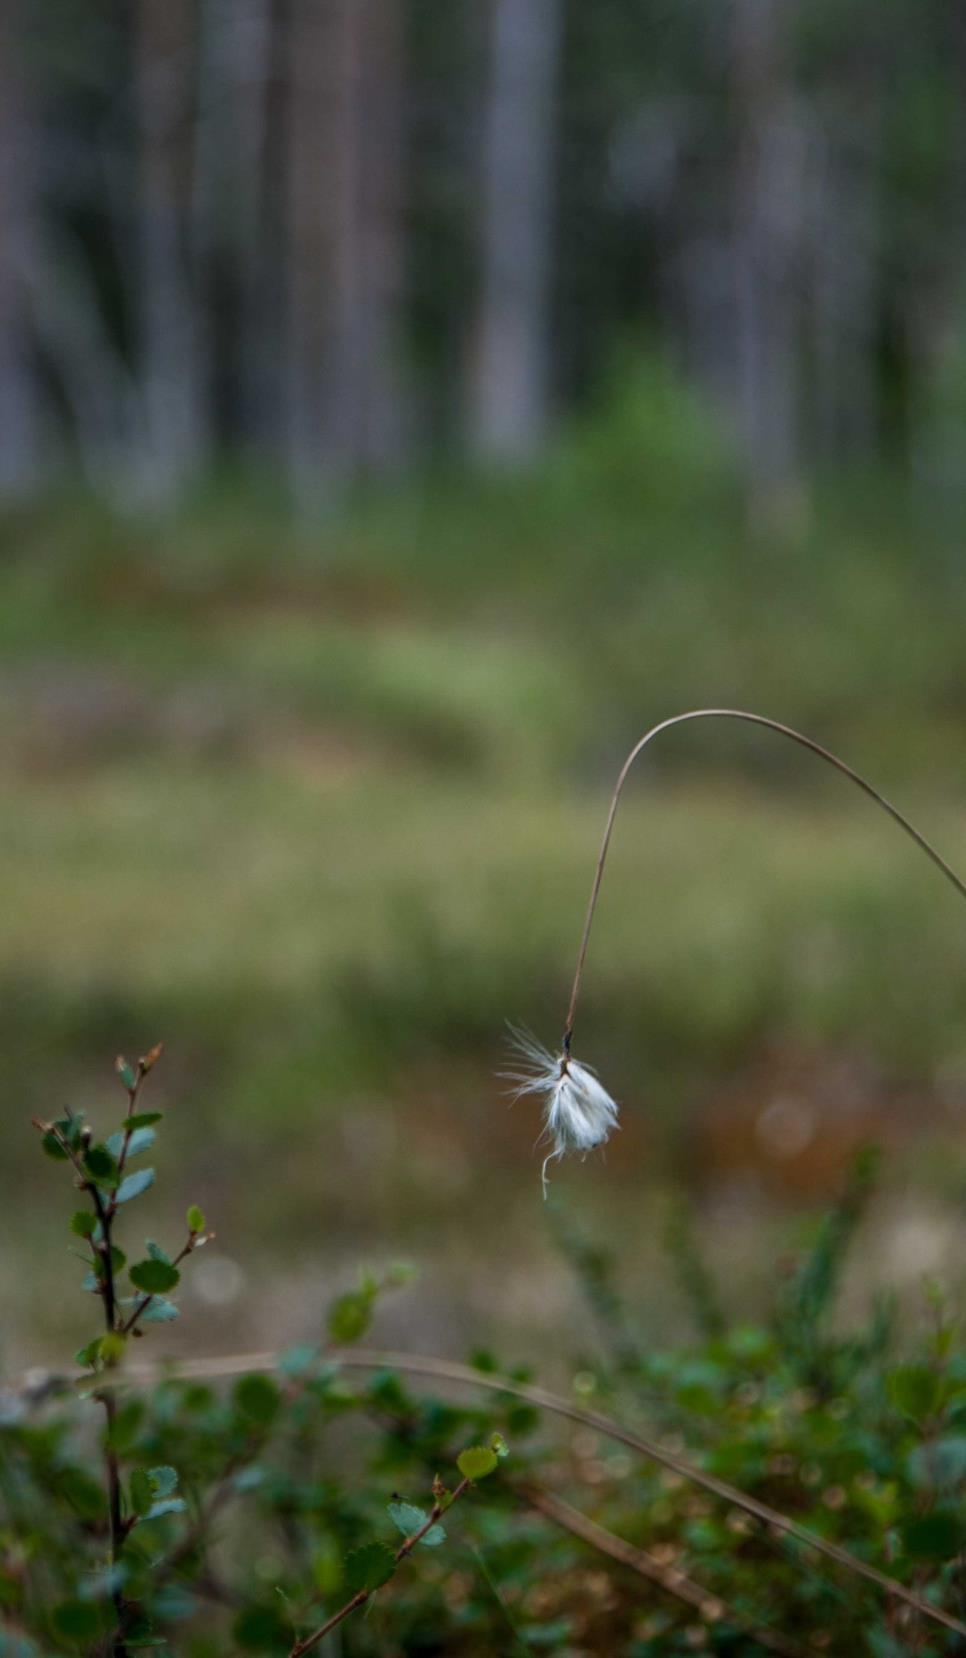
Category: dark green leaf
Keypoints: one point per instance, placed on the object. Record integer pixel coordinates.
(100, 1164)
(351, 1315)
(916, 1390)
(52, 1146)
(936, 1536)
(83, 1223)
(84, 1494)
(257, 1398)
(368, 1568)
(144, 1119)
(142, 1492)
(154, 1277)
(262, 1629)
(77, 1620)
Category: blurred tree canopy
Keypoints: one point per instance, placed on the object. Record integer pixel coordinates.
(338, 237)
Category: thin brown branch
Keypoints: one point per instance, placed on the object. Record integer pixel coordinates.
(670, 1579)
(770, 725)
(439, 1508)
(102, 1247)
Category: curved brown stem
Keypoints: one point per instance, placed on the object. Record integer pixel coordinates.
(770, 725)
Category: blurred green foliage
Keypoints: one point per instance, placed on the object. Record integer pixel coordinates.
(250, 1510)
(321, 804)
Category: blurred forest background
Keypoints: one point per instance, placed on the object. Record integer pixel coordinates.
(402, 405)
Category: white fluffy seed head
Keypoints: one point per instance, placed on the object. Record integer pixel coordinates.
(578, 1112)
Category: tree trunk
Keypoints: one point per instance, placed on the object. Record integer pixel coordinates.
(345, 244)
(509, 369)
(19, 392)
(171, 366)
(768, 187)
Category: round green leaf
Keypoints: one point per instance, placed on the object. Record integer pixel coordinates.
(83, 1223)
(368, 1568)
(258, 1399)
(77, 1620)
(916, 1390)
(99, 1163)
(407, 1518)
(476, 1463)
(196, 1219)
(142, 1492)
(154, 1277)
(52, 1146)
(936, 1536)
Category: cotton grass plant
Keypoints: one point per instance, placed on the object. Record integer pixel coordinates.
(579, 1115)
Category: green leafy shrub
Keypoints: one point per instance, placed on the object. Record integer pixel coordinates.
(783, 1488)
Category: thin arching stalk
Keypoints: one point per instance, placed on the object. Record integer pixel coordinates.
(770, 725)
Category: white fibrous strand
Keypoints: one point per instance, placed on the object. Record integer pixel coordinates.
(578, 1112)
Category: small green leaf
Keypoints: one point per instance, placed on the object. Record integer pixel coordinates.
(160, 1311)
(351, 1315)
(125, 1072)
(142, 1139)
(940, 1464)
(499, 1446)
(52, 1146)
(118, 1259)
(156, 1252)
(915, 1390)
(196, 1219)
(100, 1165)
(88, 1355)
(133, 1185)
(407, 1518)
(295, 1361)
(261, 1629)
(476, 1463)
(113, 1347)
(164, 1480)
(83, 1223)
(142, 1492)
(257, 1398)
(77, 1620)
(368, 1568)
(154, 1277)
(936, 1536)
(143, 1119)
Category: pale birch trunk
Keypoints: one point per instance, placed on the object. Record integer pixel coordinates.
(345, 249)
(509, 372)
(20, 436)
